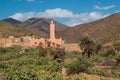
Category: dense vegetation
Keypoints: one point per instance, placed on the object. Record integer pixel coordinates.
(46, 64)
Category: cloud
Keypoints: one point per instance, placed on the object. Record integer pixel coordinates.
(104, 7)
(49, 13)
(85, 18)
(30, 0)
(72, 18)
(57, 13)
(23, 16)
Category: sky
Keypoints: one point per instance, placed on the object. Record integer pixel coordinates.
(69, 12)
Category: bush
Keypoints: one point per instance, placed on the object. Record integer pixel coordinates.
(104, 72)
(78, 66)
(101, 72)
(117, 46)
(110, 52)
(2, 66)
(97, 58)
(59, 54)
(117, 58)
(56, 54)
(42, 61)
(116, 74)
(53, 67)
(42, 51)
(23, 74)
(109, 62)
(2, 50)
(13, 49)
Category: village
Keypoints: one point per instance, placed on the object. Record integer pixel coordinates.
(32, 41)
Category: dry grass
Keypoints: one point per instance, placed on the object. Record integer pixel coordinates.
(104, 30)
(7, 29)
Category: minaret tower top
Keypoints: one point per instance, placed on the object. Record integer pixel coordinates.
(51, 21)
(52, 30)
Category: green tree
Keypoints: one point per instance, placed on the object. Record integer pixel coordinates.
(87, 44)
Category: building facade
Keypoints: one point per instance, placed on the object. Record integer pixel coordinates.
(51, 42)
(28, 41)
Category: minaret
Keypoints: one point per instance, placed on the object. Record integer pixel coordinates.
(52, 30)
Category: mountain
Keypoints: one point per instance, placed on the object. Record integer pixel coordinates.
(104, 30)
(7, 29)
(40, 26)
(12, 21)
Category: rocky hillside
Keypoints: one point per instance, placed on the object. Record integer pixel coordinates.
(38, 26)
(104, 30)
(12, 21)
(7, 29)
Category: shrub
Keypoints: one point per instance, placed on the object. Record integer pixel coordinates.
(59, 54)
(50, 53)
(97, 58)
(23, 74)
(2, 66)
(56, 54)
(2, 50)
(78, 66)
(42, 61)
(13, 49)
(117, 59)
(42, 51)
(101, 72)
(116, 74)
(117, 46)
(53, 67)
(109, 62)
(110, 52)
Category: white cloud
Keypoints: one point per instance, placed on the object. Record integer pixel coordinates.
(49, 13)
(104, 7)
(57, 12)
(85, 18)
(30, 0)
(23, 16)
(72, 18)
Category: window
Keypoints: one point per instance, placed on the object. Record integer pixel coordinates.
(35, 42)
(40, 44)
(58, 45)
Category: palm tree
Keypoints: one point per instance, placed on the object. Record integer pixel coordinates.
(87, 45)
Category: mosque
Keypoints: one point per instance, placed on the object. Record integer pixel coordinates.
(51, 42)
(29, 41)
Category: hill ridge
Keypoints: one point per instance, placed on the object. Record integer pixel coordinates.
(40, 26)
(102, 30)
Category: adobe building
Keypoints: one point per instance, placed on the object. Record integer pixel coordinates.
(51, 42)
(12, 41)
(28, 41)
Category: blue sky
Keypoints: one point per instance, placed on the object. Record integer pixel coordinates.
(69, 12)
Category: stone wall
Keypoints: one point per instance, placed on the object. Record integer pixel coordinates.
(72, 47)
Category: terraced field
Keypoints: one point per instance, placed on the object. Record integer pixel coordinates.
(28, 64)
